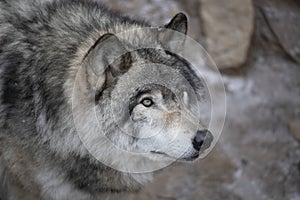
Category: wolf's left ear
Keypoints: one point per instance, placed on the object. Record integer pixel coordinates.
(107, 52)
(174, 34)
(106, 59)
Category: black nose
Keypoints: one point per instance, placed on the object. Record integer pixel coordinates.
(199, 139)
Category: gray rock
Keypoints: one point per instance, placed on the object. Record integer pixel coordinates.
(228, 27)
(294, 127)
(284, 21)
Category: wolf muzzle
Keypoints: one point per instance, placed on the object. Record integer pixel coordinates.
(202, 140)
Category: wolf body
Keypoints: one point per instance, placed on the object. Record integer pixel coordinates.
(44, 47)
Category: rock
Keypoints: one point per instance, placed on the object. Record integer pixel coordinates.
(284, 20)
(228, 27)
(294, 127)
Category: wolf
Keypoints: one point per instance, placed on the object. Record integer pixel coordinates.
(85, 90)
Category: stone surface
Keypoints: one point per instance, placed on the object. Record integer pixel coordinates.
(284, 20)
(294, 127)
(228, 27)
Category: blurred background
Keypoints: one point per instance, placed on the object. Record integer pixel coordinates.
(256, 46)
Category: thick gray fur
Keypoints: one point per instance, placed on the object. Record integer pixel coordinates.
(40, 43)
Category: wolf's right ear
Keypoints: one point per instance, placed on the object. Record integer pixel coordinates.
(106, 55)
(178, 23)
(174, 33)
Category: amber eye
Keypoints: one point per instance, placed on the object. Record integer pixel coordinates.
(147, 102)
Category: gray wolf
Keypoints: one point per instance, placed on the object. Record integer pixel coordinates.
(60, 59)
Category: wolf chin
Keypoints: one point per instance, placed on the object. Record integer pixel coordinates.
(73, 82)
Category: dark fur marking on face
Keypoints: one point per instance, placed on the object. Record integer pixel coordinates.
(100, 92)
(187, 71)
(175, 62)
(125, 64)
(166, 93)
(133, 100)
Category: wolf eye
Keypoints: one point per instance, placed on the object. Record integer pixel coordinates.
(147, 102)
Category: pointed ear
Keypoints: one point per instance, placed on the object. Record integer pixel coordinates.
(178, 23)
(174, 34)
(107, 54)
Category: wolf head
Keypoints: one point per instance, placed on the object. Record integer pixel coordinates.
(144, 95)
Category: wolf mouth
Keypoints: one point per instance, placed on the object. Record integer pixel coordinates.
(156, 152)
(191, 158)
(159, 152)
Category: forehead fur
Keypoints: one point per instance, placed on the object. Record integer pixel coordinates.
(174, 62)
